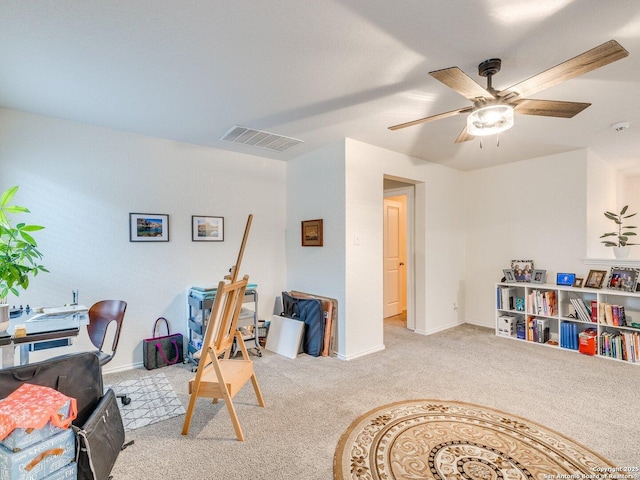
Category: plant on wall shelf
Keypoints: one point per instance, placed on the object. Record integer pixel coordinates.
(19, 254)
(624, 231)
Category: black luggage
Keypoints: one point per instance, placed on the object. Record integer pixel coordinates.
(310, 311)
(78, 375)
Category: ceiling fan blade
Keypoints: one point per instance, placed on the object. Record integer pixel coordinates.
(590, 60)
(464, 136)
(460, 82)
(549, 108)
(431, 118)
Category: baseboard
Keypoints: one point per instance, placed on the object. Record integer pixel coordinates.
(360, 354)
(436, 330)
(122, 368)
(484, 325)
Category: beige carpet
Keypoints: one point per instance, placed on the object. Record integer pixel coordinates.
(432, 439)
(311, 401)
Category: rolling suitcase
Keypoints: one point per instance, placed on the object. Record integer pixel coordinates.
(98, 425)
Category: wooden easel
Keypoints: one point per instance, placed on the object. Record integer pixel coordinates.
(233, 272)
(218, 376)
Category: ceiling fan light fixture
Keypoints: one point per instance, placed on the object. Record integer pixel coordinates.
(490, 120)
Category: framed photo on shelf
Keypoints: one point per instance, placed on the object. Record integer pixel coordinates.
(509, 276)
(539, 276)
(578, 282)
(312, 233)
(623, 278)
(522, 270)
(207, 229)
(565, 279)
(148, 227)
(595, 279)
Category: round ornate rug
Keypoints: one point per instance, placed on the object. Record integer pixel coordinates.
(432, 439)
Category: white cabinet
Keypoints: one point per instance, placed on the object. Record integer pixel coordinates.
(592, 321)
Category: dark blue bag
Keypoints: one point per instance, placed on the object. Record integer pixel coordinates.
(309, 311)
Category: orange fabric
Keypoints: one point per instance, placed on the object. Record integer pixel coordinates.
(32, 406)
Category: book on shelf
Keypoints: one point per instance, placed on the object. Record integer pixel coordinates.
(608, 313)
(531, 329)
(594, 311)
(542, 330)
(613, 315)
(543, 302)
(571, 339)
(582, 312)
(569, 335)
(621, 345)
(506, 298)
(521, 330)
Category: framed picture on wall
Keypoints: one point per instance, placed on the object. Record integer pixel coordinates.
(312, 233)
(148, 227)
(207, 229)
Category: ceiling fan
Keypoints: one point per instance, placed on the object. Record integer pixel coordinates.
(492, 110)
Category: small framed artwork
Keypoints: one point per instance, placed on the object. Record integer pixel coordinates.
(312, 233)
(623, 278)
(508, 276)
(539, 276)
(522, 269)
(207, 229)
(595, 278)
(578, 282)
(565, 279)
(148, 227)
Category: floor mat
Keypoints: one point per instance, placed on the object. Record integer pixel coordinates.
(152, 401)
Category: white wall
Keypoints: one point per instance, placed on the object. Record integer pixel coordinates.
(632, 195)
(439, 246)
(82, 182)
(603, 190)
(316, 189)
(632, 198)
(529, 210)
(343, 185)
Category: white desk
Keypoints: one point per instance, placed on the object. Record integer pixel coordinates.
(43, 332)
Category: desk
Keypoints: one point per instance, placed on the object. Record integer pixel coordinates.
(43, 331)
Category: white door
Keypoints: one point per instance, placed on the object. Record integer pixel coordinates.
(392, 257)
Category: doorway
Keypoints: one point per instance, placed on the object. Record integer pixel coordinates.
(398, 252)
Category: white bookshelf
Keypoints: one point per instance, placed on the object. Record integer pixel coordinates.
(525, 310)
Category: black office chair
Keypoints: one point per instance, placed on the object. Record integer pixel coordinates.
(101, 314)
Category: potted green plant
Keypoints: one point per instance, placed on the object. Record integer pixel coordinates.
(19, 254)
(619, 239)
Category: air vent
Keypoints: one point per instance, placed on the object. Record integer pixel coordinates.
(260, 139)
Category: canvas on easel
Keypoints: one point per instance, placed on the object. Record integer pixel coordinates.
(218, 376)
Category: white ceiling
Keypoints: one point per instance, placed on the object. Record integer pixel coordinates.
(321, 70)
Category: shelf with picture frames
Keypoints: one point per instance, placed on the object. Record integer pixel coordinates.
(602, 322)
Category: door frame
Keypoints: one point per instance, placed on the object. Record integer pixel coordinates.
(409, 192)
